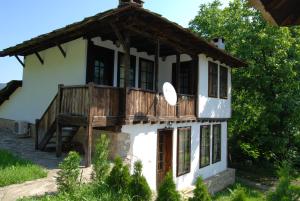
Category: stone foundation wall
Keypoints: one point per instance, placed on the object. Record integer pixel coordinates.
(220, 181)
(120, 143)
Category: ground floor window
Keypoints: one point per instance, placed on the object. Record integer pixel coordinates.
(204, 146)
(183, 150)
(216, 143)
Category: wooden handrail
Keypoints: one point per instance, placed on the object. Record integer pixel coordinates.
(49, 106)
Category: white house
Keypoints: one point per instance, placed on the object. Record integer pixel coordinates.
(106, 73)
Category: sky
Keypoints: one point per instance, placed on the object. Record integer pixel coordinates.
(23, 20)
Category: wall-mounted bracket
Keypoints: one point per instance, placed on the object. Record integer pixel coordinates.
(20, 61)
(39, 57)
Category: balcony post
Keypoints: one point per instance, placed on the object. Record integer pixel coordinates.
(177, 80)
(157, 54)
(89, 127)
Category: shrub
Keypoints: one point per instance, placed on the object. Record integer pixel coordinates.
(139, 188)
(119, 177)
(239, 194)
(200, 192)
(100, 160)
(67, 179)
(285, 191)
(167, 190)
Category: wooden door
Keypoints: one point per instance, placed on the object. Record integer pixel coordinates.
(164, 154)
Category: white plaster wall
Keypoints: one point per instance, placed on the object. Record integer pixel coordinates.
(211, 107)
(40, 82)
(144, 148)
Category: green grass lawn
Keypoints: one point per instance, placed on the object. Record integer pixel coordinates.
(14, 170)
(251, 193)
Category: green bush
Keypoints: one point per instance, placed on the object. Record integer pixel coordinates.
(67, 179)
(167, 190)
(200, 192)
(119, 177)
(239, 194)
(138, 187)
(100, 160)
(285, 191)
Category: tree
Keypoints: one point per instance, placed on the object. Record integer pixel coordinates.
(100, 160)
(138, 187)
(200, 192)
(167, 190)
(67, 180)
(266, 95)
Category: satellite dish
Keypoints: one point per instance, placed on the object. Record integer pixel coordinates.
(170, 93)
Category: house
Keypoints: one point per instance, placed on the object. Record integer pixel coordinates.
(105, 74)
(279, 12)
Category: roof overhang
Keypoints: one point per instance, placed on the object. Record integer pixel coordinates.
(279, 12)
(138, 22)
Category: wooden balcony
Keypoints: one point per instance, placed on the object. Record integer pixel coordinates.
(94, 106)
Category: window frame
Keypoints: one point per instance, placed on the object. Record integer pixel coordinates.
(222, 95)
(189, 129)
(213, 143)
(211, 75)
(200, 147)
(140, 73)
(132, 66)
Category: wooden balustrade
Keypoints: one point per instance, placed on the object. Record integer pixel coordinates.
(98, 103)
(149, 105)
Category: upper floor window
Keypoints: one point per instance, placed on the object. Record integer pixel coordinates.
(185, 77)
(212, 79)
(183, 150)
(216, 143)
(146, 74)
(121, 71)
(223, 82)
(217, 88)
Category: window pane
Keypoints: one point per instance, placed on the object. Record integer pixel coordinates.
(223, 82)
(146, 74)
(216, 143)
(183, 151)
(212, 79)
(204, 146)
(121, 71)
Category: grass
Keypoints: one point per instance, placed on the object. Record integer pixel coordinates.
(252, 194)
(14, 170)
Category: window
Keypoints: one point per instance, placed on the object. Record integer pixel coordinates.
(185, 77)
(216, 143)
(223, 82)
(146, 74)
(121, 71)
(212, 79)
(204, 146)
(100, 65)
(183, 150)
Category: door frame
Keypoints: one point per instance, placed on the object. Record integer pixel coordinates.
(171, 130)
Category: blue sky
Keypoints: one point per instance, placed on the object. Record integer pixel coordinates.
(22, 20)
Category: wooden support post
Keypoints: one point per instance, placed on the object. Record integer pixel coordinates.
(58, 139)
(125, 42)
(36, 134)
(39, 57)
(157, 54)
(58, 126)
(177, 80)
(20, 61)
(89, 127)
